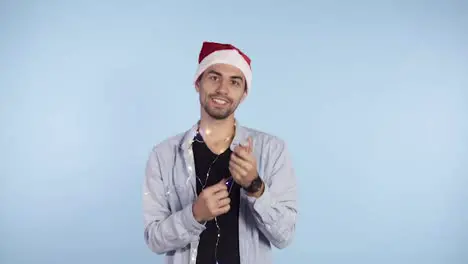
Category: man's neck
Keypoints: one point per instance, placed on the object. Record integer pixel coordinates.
(217, 134)
(217, 130)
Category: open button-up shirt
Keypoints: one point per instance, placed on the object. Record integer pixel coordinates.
(169, 190)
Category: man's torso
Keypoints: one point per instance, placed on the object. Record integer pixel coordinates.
(178, 170)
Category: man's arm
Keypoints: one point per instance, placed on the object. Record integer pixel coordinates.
(165, 231)
(276, 209)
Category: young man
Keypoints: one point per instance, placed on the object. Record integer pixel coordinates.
(219, 192)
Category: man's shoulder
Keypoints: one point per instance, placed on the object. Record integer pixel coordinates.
(170, 143)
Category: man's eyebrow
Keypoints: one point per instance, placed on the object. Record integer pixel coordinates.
(237, 77)
(219, 74)
(214, 72)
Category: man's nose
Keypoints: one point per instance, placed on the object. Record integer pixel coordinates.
(223, 87)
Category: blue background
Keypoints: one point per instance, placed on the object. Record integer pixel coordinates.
(371, 96)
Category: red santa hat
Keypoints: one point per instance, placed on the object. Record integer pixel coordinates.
(213, 53)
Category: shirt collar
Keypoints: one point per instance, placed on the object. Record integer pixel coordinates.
(239, 138)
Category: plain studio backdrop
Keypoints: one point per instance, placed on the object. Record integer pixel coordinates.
(371, 97)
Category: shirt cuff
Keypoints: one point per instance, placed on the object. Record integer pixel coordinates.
(193, 226)
(261, 204)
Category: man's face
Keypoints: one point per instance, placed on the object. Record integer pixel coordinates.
(221, 88)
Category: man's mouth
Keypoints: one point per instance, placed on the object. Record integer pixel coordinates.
(219, 100)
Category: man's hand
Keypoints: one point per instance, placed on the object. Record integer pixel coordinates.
(243, 165)
(211, 202)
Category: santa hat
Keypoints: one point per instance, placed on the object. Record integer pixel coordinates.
(213, 53)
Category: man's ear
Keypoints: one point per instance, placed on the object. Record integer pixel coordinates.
(197, 84)
(244, 95)
(245, 91)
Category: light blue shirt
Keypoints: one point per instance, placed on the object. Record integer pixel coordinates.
(169, 191)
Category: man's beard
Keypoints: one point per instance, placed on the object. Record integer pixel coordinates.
(219, 114)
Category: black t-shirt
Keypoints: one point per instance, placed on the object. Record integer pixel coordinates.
(228, 244)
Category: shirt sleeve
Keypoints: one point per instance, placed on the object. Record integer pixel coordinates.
(165, 231)
(276, 209)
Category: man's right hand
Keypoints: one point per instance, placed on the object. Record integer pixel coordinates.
(211, 202)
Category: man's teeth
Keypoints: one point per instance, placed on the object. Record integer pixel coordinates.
(219, 101)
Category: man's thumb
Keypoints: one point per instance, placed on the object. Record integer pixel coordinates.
(222, 181)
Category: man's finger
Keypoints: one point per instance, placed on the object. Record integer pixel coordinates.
(222, 182)
(237, 170)
(239, 161)
(221, 195)
(223, 210)
(217, 187)
(223, 202)
(242, 153)
(250, 145)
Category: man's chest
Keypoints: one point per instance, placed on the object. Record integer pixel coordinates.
(210, 168)
(187, 169)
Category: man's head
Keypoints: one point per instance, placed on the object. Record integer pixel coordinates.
(223, 79)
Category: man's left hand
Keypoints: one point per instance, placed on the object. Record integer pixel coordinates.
(243, 165)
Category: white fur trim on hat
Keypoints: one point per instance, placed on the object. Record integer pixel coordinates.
(231, 57)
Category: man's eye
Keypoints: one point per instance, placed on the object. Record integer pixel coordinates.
(236, 83)
(214, 78)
